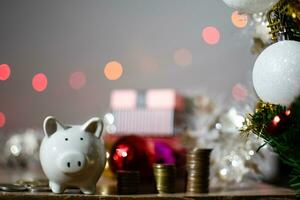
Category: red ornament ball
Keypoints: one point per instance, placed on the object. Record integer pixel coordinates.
(132, 153)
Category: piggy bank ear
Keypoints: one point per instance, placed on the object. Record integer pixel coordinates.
(51, 125)
(94, 126)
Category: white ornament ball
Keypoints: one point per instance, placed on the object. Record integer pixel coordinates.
(251, 6)
(276, 73)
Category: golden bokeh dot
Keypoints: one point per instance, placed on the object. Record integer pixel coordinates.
(113, 70)
(239, 20)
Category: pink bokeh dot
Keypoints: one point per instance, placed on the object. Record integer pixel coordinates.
(183, 57)
(77, 80)
(39, 82)
(4, 72)
(211, 35)
(239, 92)
(2, 119)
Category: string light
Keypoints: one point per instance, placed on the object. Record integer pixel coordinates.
(113, 70)
(239, 92)
(39, 82)
(4, 72)
(276, 120)
(239, 20)
(211, 35)
(2, 119)
(77, 80)
(109, 118)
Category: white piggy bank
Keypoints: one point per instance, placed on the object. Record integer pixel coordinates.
(73, 155)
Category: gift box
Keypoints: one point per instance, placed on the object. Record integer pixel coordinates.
(147, 112)
(145, 121)
(150, 99)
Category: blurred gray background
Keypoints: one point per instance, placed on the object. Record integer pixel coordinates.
(58, 37)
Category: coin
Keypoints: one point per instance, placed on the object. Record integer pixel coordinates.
(12, 187)
(39, 189)
(165, 175)
(33, 182)
(128, 182)
(198, 170)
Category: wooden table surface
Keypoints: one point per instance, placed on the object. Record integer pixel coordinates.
(260, 191)
(107, 190)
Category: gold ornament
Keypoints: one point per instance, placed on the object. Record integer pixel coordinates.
(264, 106)
(284, 19)
(293, 9)
(249, 126)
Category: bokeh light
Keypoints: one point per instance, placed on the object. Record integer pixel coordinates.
(239, 92)
(211, 35)
(239, 20)
(113, 70)
(77, 80)
(109, 118)
(4, 72)
(183, 57)
(39, 82)
(276, 120)
(111, 128)
(2, 119)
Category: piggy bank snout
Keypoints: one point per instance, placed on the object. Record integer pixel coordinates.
(71, 162)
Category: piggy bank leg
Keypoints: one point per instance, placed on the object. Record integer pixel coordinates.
(56, 188)
(91, 189)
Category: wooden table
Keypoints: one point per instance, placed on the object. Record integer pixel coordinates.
(107, 191)
(261, 192)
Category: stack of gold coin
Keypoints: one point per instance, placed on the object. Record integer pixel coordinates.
(165, 175)
(128, 182)
(198, 170)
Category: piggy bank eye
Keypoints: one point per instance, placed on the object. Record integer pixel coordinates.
(81, 138)
(66, 139)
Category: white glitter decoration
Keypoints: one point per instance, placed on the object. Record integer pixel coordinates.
(276, 73)
(234, 158)
(251, 6)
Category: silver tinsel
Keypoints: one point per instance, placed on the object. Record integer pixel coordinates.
(234, 157)
(261, 36)
(22, 149)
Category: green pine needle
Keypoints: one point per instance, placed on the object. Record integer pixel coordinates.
(283, 138)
